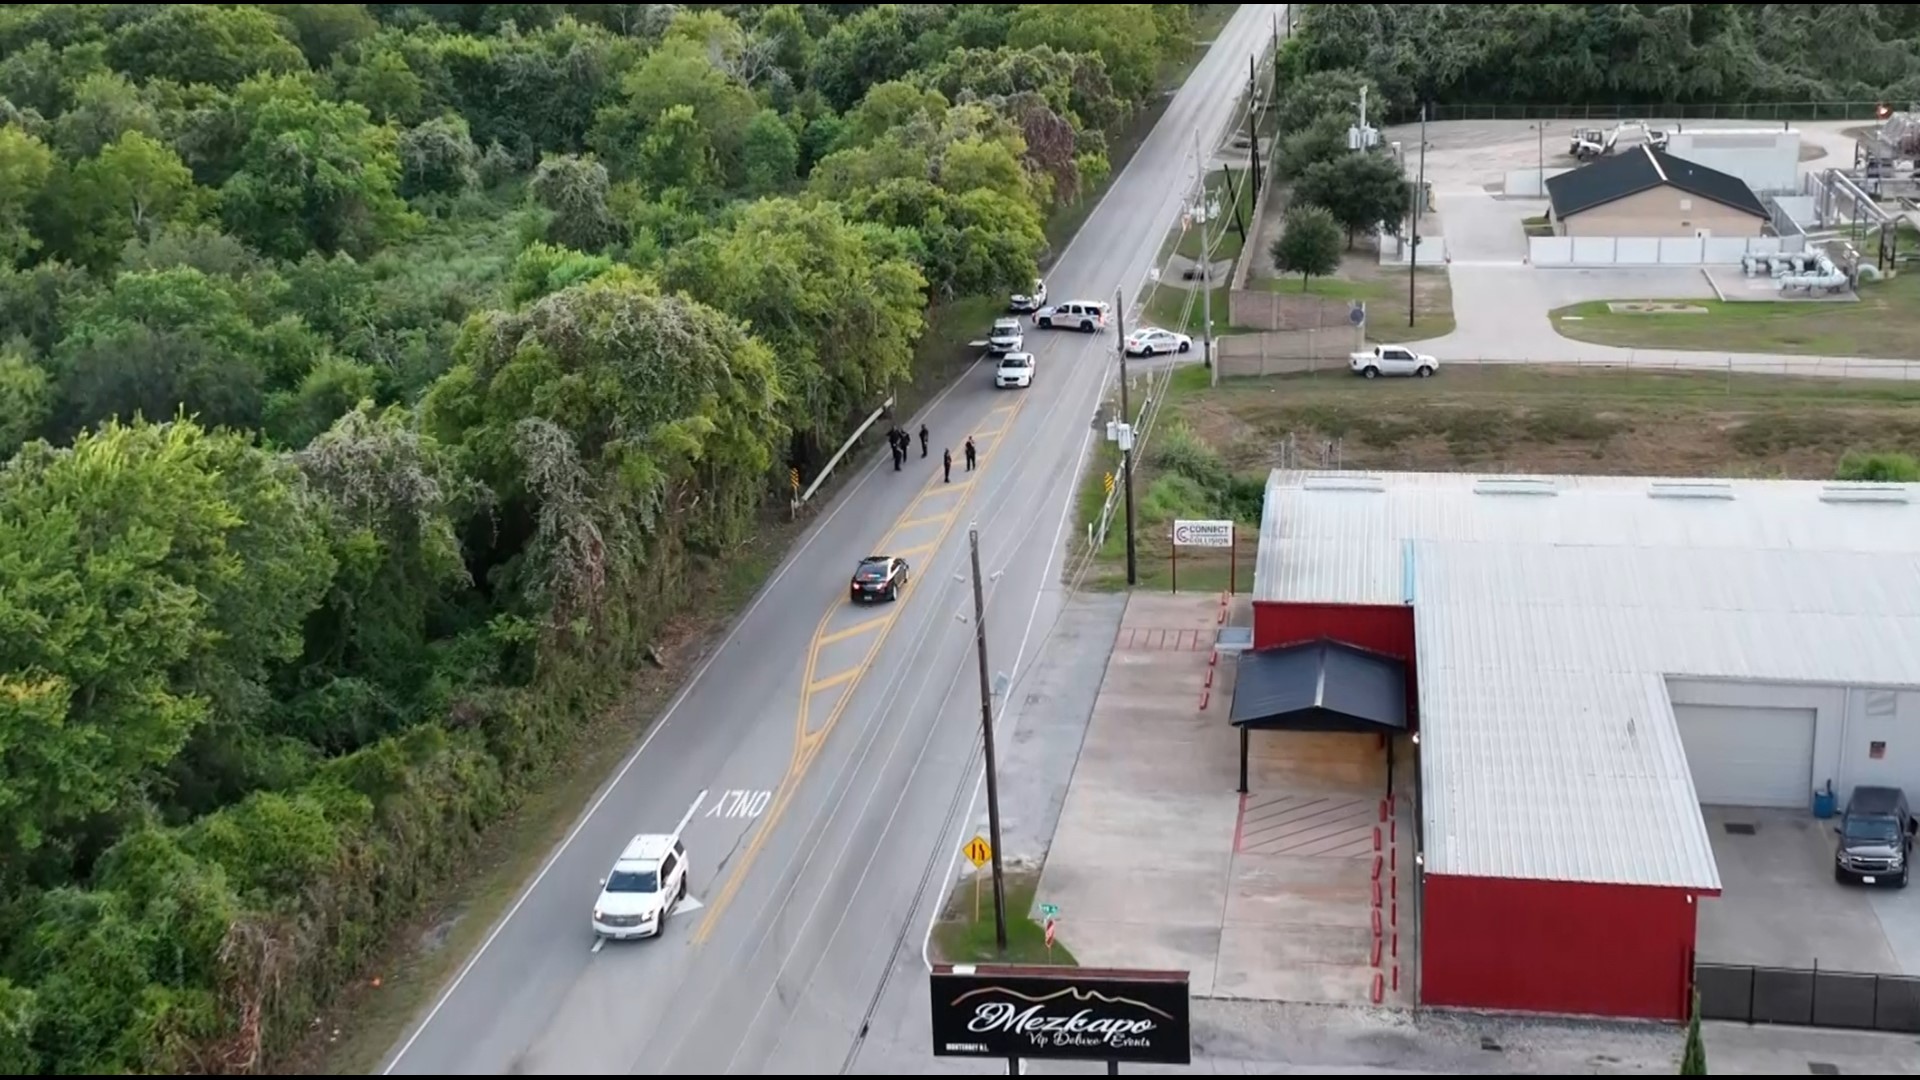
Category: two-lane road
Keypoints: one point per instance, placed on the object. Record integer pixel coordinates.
(832, 741)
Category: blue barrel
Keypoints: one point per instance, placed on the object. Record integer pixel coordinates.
(1823, 804)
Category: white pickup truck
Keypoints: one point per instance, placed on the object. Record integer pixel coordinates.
(1392, 360)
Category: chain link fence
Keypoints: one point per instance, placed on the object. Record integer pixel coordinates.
(1774, 111)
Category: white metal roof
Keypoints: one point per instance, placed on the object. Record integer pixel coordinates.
(1546, 625)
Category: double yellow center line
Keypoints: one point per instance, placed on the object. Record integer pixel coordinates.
(807, 739)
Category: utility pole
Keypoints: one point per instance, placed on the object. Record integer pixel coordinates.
(1540, 157)
(1206, 274)
(1419, 194)
(986, 738)
(1253, 124)
(1126, 416)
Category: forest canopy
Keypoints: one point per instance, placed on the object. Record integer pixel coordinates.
(1617, 54)
(374, 378)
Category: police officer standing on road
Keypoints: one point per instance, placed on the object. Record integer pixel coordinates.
(893, 443)
(970, 453)
(923, 440)
(946, 466)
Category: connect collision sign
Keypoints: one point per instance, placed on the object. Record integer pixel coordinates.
(1061, 1013)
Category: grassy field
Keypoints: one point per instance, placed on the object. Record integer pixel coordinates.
(1210, 450)
(1884, 323)
(962, 938)
(1384, 288)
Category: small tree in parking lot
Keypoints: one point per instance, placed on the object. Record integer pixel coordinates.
(1308, 244)
(1693, 1060)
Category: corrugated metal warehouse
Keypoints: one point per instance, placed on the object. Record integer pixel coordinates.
(1589, 660)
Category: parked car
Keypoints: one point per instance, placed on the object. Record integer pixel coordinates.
(1152, 341)
(1015, 370)
(1033, 301)
(1392, 360)
(1876, 838)
(1005, 337)
(1087, 315)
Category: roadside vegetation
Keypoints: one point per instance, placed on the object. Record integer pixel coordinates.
(964, 935)
(1572, 54)
(389, 390)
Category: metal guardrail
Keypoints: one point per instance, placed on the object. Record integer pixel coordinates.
(1763, 111)
(1808, 997)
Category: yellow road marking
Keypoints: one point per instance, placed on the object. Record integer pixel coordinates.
(918, 549)
(914, 523)
(807, 743)
(989, 434)
(832, 681)
(855, 630)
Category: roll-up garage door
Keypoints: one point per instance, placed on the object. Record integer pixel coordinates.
(1744, 756)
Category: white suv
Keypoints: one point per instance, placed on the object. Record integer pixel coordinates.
(1029, 301)
(1005, 337)
(1088, 315)
(1016, 369)
(641, 890)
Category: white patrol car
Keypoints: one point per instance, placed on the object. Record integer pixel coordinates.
(1015, 370)
(1087, 315)
(641, 890)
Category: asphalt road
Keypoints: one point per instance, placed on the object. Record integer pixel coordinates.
(830, 746)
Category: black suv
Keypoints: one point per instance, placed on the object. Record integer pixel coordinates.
(1876, 838)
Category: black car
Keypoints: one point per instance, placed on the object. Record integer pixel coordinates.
(880, 577)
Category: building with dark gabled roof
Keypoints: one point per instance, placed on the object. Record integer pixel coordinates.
(1645, 192)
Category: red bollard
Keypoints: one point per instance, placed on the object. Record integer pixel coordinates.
(1383, 809)
(1393, 829)
(1209, 676)
(1376, 952)
(1379, 989)
(1395, 912)
(1376, 838)
(1376, 894)
(1376, 867)
(1396, 943)
(1376, 922)
(1396, 978)
(1205, 696)
(1393, 886)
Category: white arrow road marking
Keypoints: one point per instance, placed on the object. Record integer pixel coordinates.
(687, 903)
(599, 943)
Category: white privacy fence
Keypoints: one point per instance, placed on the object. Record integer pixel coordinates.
(1655, 250)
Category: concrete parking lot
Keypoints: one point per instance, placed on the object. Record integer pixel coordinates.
(1781, 907)
(1159, 862)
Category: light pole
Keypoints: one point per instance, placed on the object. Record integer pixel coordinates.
(986, 737)
(1419, 192)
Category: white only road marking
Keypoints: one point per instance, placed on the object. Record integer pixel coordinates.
(792, 560)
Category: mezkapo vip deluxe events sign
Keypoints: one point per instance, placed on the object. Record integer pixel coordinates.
(1059, 1013)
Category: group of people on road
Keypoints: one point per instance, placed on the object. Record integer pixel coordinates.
(901, 444)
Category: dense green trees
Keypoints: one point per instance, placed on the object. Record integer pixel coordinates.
(1617, 54)
(376, 378)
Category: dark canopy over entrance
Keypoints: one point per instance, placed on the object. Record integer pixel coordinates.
(1320, 685)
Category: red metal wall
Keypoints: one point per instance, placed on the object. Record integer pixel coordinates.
(1556, 947)
(1383, 629)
